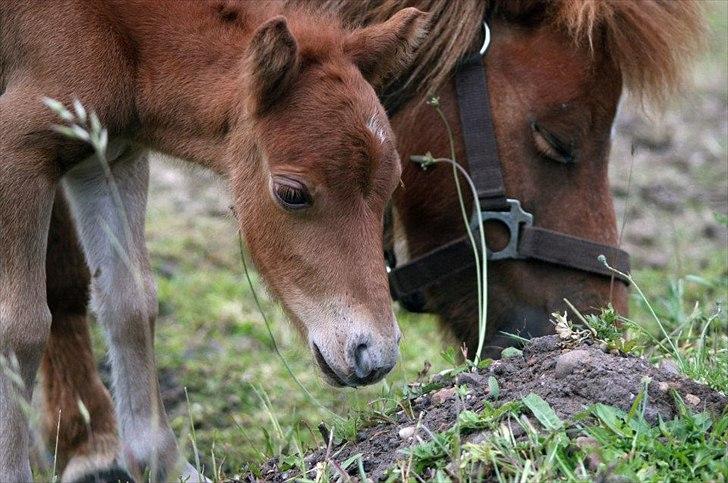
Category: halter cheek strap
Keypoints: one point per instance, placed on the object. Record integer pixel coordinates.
(527, 242)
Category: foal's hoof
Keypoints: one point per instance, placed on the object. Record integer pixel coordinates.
(115, 474)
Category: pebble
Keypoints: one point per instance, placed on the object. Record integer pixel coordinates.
(478, 437)
(443, 395)
(407, 432)
(663, 386)
(670, 367)
(586, 442)
(692, 399)
(566, 363)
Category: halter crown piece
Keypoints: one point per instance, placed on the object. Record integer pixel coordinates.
(409, 281)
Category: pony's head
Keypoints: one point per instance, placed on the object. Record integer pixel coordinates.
(318, 170)
(556, 73)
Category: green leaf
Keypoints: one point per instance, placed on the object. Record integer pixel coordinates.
(493, 388)
(636, 405)
(543, 412)
(450, 356)
(611, 417)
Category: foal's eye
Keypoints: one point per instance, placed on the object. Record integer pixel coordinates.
(291, 194)
(551, 147)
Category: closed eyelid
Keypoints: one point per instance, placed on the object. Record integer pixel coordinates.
(551, 146)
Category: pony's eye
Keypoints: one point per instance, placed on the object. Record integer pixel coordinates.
(291, 194)
(551, 147)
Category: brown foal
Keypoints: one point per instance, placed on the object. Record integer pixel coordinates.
(562, 66)
(279, 102)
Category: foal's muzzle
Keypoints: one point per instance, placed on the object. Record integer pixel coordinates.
(366, 360)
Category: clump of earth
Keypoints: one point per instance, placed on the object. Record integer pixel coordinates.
(570, 379)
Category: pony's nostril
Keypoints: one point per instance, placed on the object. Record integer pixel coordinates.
(362, 361)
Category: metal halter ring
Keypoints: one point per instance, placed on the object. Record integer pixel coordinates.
(486, 40)
(514, 218)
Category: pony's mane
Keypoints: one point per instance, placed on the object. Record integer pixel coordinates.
(650, 41)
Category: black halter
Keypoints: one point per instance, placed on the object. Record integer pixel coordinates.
(407, 282)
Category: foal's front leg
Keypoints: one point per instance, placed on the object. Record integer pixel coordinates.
(123, 297)
(26, 199)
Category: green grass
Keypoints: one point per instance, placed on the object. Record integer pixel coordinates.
(603, 440)
(244, 407)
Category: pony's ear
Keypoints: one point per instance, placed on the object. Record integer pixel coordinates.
(384, 50)
(273, 63)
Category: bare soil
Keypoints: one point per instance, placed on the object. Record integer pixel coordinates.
(569, 379)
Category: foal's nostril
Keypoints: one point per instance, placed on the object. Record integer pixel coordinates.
(362, 361)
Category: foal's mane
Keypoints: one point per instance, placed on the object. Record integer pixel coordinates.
(650, 41)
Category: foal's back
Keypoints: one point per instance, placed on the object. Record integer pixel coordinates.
(107, 53)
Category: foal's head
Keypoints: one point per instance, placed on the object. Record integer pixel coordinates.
(320, 168)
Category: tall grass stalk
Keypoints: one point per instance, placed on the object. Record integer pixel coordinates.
(193, 436)
(481, 270)
(675, 351)
(54, 476)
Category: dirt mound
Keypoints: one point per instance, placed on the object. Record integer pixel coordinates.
(569, 379)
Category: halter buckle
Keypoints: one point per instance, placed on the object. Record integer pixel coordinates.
(514, 218)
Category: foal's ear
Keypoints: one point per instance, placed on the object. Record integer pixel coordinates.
(384, 50)
(273, 63)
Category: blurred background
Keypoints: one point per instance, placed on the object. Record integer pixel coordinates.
(669, 173)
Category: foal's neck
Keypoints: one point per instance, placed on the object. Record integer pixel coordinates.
(190, 66)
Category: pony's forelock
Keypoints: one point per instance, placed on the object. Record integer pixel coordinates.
(652, 42)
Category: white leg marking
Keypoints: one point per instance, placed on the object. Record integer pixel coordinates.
(124, 300)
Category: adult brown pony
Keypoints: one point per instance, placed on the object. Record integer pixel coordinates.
(282, 106)
(563, 64)
(556, 72)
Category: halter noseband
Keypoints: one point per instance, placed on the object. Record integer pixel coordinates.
(407, 282)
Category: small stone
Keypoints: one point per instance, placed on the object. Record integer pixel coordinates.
(663, 386)
(586, 442)
(443, 395)
(407, 432)
(566, 363)
(692, 399)
(669, 366)
(603, 347)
